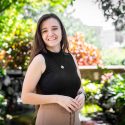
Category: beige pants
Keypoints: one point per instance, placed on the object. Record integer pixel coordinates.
(54, 114)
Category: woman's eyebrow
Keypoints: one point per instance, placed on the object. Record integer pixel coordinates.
(52, 27)
(43, 29)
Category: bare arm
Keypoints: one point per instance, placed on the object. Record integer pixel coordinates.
(28, 96)
(33, 74)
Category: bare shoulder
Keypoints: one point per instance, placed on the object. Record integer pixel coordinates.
(38, 62)
(38, 59)
(33, 74)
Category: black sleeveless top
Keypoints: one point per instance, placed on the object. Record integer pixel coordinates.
(60, 76)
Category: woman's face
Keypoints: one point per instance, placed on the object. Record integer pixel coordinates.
(51, 33)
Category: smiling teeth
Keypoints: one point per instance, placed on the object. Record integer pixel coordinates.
(52, 39)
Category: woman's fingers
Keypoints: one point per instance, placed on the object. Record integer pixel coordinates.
(77, 97)
(68, 109)
(73, 105)
(75, 102)
(69, 103)
(80, 99)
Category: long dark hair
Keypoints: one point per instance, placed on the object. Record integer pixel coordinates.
(38, 43)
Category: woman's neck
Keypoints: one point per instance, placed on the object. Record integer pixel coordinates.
(54, 49)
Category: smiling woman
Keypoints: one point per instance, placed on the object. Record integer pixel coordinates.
(51, 34)
(53, 80)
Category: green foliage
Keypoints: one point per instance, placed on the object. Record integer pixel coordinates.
(113, 96)
(108, 94)
(113, 56)
(60, 5)
(18, 31)
(1, 99)
(6, 4)
(26, 118)
(2, 72)
(114, 92)
(92, 90)
(114, 9)
(10, 90)
(2, 108)
(17, 24)
(74, 25)
(16, 38)
(90, 108)
(16, 34)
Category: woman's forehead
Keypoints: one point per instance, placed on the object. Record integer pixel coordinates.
(50, 22)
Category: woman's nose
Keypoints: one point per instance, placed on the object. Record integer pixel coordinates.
(50, 33)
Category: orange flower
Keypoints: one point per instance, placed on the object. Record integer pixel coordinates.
(86, 54)
(2, 54)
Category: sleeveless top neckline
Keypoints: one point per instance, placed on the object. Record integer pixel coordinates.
(60, 76)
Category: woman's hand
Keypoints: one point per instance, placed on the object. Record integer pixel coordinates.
(68, 103)
(81, 100)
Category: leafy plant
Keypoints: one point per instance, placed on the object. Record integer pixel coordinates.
(2, 109)
(108, 94)
(86, 54)
(113, 96)
(92, 91)
(90, 108)
(114, 9)
(2, 72)
(17, 26)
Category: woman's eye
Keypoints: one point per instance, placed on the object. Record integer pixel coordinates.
(44, 31)
(54, 28)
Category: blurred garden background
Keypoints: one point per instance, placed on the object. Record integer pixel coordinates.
(96, 34)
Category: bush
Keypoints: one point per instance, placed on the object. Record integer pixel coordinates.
(17, 48)
(92, 90)
(113, 95)
(113, 92)
(108, 94)
(2, 105)
(86, 54)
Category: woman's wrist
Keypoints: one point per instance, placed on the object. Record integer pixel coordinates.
(58, 98)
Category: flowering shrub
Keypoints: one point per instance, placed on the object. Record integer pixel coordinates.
(15, 45)
(2, 66)
(106, 77)
(2, 107)
(109, 95)
(17, 57)
(86, 54)
(113, 91)
(113, 95)
(92, 90)
(3, 62)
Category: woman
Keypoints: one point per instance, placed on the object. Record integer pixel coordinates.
(52, 80)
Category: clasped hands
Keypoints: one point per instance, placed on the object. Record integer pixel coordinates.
(72, 104)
